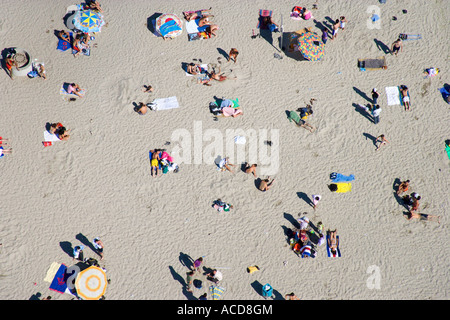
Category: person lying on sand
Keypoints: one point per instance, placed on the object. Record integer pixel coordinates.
(423, 217)
(333, 241)
(197, 14)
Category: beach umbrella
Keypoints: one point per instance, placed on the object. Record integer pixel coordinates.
(216, 292)
(91, 283)
(169, 25)
(88, 21)
(310, 46)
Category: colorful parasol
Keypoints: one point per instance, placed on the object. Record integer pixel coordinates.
(91, 283)
(88, 21)
(310, 46)
(169, 25)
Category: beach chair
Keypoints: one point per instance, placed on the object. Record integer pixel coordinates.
(263, 13)
(372, 64)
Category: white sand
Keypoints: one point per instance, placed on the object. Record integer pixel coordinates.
(98, 183)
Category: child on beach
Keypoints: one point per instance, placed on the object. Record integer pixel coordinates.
(382, 140)
(342, 22)
(403, 187)
(336, 26)
(324, 35)
(98, 245)
(397, 46)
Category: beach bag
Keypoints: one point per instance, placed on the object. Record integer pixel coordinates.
(273, 27)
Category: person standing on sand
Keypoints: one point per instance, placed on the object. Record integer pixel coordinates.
(197, 264)
(376, 110)
(315, 199)
(375, 95)
(382, 140)
(324, 35)
(403, 187)
(335, 29)
(397, 46)
(189, 280)
(98, 245)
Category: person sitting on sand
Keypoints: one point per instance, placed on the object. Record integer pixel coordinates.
(306, 14)
(141, 108)
(217, 76)
(224, 164)
(62, 134)
(422, 216)
(265, 184)
(220, 206)
(147, 89)
(194, 69)
(333, 241)
(251, 169)
(291, 296)
(10, 62)
(94, 5)
(397, 46)
(64, 35)
(403, 187)
(75, 89)
(382, 140)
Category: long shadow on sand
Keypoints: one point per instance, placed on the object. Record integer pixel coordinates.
(305, 198)
(181, 280)
(362, 112)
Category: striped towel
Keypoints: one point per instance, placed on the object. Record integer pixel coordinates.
(338, 252)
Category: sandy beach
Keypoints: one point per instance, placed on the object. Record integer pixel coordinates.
(99, 183)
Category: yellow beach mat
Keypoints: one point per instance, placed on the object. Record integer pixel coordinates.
(343, 187)
(52, 272)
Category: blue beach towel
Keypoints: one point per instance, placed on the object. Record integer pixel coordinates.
(338, 177)
(63, 45)
(59, 281)
(169, 26)
(338, 252)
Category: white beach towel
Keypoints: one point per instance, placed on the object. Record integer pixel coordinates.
(166, 103)
(191, 26)
(393, 96)
(50, 136)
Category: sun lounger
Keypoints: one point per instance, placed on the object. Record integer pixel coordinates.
(372, 64)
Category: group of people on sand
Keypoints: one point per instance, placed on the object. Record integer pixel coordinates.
(160, 160)
(300, 238)
(80, 42)
(411, 203)
(212, 275)
(55, 132)
(202, 19)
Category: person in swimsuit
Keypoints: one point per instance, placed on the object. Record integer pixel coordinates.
(98, 245)
(265, 184)
(403, 187)
(62, 134)
(382, 140)
(397, 46)
(154, 162)
(316, 198)
(197, 14)
(217, 76)
(335, 29)
(404, 91)
(306, 14)
(342, 22)
(64, 35)
(422, 216)
(291, 296)
(10, 63)
(251, 169)
(333, 241)
(94, 5)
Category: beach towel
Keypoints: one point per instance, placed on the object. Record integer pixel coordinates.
(166, 103)
(372, 64)
(168, 27)
(406, 37)
(393, 96)
(58, 283)
(338, 251)
(262, 14)
(343, 187)
(63, 45)
(445, 94)
(230, 111)
(294, 116)
(338, 177)
(305, 251)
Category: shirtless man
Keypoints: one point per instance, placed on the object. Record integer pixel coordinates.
(265, 184)
(382, 140)
(405, 97)
(423, 217)
(197, 14)
(251, 169)
(336, 26)
(397, 46)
